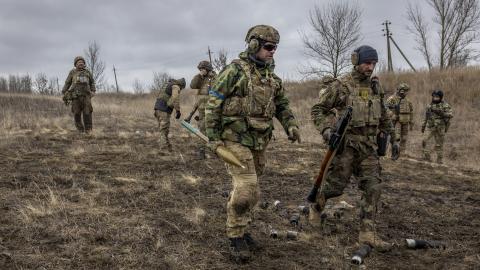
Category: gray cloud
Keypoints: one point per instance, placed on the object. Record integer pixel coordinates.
(140, 37)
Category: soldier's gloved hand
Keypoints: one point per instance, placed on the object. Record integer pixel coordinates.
(197, 118)
(294, 134)
(327, 133)
(178, 115)
(395, 151)
(213, 145)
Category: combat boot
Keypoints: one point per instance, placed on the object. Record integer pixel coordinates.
(369, 238)
(239, 251)
(251, 243)
(87, 120)
(314, 215)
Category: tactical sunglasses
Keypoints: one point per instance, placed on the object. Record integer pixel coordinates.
(269, 47)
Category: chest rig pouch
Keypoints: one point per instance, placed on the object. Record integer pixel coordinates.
(366, 106)
(256, 103)
(404, 111)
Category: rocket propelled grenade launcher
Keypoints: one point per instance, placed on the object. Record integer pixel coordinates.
(221, 151)
(333, 144)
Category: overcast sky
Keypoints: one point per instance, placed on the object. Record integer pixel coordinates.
(143, 36)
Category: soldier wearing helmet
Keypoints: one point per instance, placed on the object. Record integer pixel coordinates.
(358, 154)
(202, 83)
(401, 113)
(78, 89)
(168, 99)
(437, 121)
(242, 103)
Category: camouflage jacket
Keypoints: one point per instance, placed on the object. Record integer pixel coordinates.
(242, 103)
(202, 84)
(168, 98)
(438, 115)
(369, 115)
(400, 109)
(79, 83)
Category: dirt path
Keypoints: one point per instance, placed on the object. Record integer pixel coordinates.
(115, 201)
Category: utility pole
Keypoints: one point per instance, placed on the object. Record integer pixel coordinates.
(404, 57)
(58, 86)
(115, 74)
(389, 51)
(209, 54)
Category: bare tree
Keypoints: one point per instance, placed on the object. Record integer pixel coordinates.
(456, 23)
(220, 61)
(160, 79)
(336, 30)
(41, 84)
(95, 64)
(3, 84)
(138, 87)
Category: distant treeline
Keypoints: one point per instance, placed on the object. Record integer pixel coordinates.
(41, 84)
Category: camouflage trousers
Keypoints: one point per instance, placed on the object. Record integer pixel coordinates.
(436, 134)
(163, 119)
(401, 129)
(82, 106)
(361, 161)
(246, 193)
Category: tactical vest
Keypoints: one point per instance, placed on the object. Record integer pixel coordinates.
(80, 82)
(165, 94)
(366, 105)
(203, 92)
(255, 104)
(403, 111)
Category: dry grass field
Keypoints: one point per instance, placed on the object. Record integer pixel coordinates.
(113, 200)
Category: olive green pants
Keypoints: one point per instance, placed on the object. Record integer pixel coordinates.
(401, 129)
(245, 193)
(163, 119)
(82, 106)
(436, 134)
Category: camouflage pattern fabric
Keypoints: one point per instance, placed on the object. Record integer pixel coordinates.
(202, 84)
(163, 119)
(78, 90)
(242, 103)
(437, 120)
(401, 113)
(358, 154)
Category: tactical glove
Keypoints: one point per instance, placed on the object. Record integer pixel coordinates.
(327, 133)
(294, 134)
(395, 151)
(197, 118)
(178, 115)
(213, 145)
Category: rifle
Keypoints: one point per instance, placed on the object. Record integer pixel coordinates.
(335, 140)
(189, 118)
(221, 151)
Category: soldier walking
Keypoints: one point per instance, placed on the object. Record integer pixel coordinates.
(168, 99)
(239, 115)
(202, 82)
(78, 89)
(436, 124)
(358, 152)
(401, 113)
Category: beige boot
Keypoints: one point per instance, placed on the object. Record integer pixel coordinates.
(314, 215)
(369, 238)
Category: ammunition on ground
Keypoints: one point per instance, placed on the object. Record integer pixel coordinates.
(423, 244)
(295, 219)
(221, 151)
(289, 235)
(304, 209)
(276, 204)
(360, 254)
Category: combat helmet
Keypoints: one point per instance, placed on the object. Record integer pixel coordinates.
(78, 58)
(206, 65)
(259, 34)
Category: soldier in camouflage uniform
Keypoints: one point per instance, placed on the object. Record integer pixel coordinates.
(202, 83)
(239, 115)
(401, 113)
(436, 124)
(168, 99)
(358, 153)
(78, 89)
